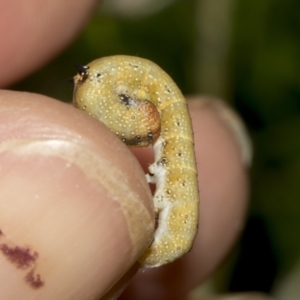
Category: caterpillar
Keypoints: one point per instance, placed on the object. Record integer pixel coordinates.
(142, 105)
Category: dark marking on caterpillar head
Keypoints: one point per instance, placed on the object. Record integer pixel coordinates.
(83, 72)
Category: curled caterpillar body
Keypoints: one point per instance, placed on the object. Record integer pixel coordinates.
(142, 105)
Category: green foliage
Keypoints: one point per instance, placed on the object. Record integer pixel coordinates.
(266, 70)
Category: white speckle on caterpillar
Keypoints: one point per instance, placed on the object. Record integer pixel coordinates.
(142, 105)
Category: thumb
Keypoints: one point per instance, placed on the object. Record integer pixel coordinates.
(75, 209)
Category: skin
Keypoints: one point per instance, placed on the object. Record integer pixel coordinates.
(77, 256)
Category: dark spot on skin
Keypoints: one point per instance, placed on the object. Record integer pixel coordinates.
(33, 280)
(179, 154)
(98, 75)
(183, 183)
(177, 122)
(169, 192)
(1, 233)
(21, 257)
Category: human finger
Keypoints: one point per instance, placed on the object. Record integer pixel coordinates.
(37, 31)
(75, 208)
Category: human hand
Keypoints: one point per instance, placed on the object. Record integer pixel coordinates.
(65, 178)
(66, 182)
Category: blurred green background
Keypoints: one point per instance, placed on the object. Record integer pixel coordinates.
(246, 52)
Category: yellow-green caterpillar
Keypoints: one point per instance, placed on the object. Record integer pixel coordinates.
(142, 105)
